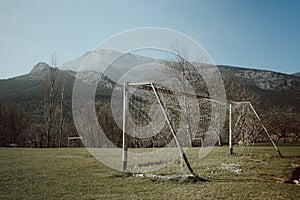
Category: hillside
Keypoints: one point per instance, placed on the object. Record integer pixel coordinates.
(296, 74)
(28, 90)
(263, 79)
(271, 88)
(265, 89)
(101, 60)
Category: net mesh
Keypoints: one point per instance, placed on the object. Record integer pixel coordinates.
(151, 144)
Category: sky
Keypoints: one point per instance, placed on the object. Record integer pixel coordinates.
(254, 34)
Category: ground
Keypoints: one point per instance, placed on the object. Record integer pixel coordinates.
(74, 174)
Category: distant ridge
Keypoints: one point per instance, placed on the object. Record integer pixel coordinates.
(296, 74)
(268, 86)
(263, 79)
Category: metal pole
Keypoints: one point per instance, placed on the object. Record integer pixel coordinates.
(230, 130)
(182, 154)
(269, 136)
(124, 153)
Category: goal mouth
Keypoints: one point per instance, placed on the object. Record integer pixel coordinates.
(142, 102)
(161, 125)
(77, 139)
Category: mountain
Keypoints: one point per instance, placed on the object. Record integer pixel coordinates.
(112, 63)
(101, 61)
(27, 90)
(42, 69)
(270, 88)
(264, 89)
(263, 79)
(93, 60)
(296, 74)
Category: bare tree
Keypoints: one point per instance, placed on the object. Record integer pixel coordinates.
(282, 120)
(62, 118)
(236, 90)
(54, 116)
(189, 78)
(13, 125)
(50, 94)
(180, 71)
(107, 123)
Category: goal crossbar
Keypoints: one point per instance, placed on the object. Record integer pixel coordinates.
(73, 138)
(156, 90)
(150, 86)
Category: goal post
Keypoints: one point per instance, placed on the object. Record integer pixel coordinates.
(230, 131)
(151, 87)
(153, 116)
(124, 145)
(182, 154)
(266, 131)
(255, 116)
(73, 138)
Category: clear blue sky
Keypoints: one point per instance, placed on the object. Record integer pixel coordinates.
(249, 33)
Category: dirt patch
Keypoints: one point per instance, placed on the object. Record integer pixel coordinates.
(235, 168)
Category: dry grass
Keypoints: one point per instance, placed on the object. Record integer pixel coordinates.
(75, 174)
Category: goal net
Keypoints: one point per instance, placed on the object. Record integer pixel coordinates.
(245, 128)
(166, 133)
(75, 141)
(158, 126)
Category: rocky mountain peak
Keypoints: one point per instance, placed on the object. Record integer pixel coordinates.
(263, 79)
(40, 68)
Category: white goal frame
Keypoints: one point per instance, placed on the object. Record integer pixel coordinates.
(74, 138)
(257, 116)
(153, 87)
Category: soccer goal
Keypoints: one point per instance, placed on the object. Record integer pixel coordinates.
(151, 122)
(75, 142)
(245, 128)
(162, 129)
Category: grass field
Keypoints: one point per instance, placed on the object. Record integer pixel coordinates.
(75, 174)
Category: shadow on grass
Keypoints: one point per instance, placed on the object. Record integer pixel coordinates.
(163, 178)
(190, 179)
(295, 178)
(291, 156)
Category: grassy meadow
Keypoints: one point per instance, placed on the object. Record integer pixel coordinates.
(75, 174)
